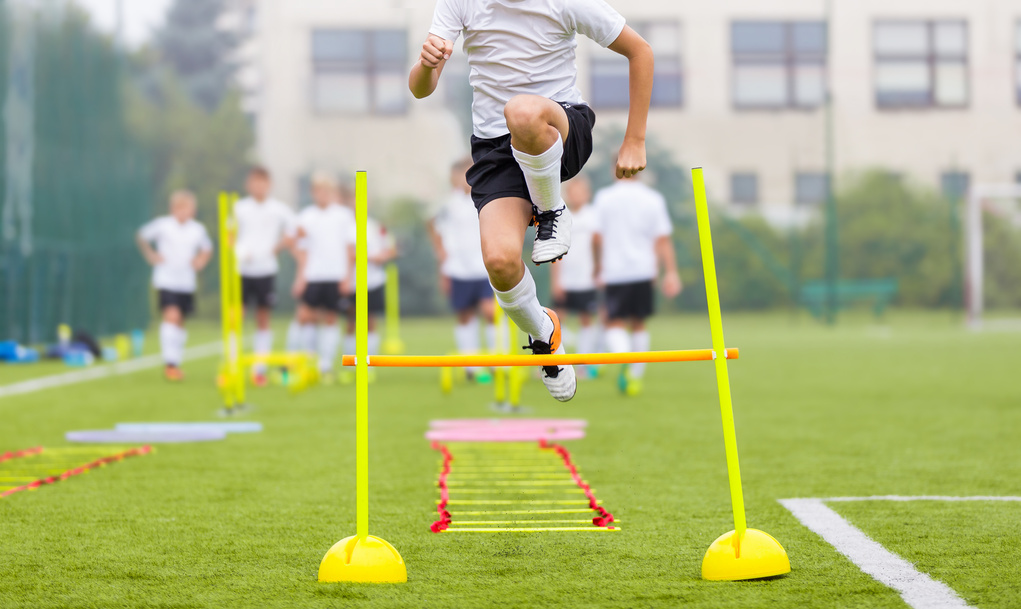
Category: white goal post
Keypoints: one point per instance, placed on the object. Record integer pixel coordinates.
(981, 198)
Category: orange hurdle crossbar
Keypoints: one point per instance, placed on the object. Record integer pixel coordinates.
(569, 359)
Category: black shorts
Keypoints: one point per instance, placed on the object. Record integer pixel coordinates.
(496, 173)
(322, 295)
(629, 300)
(466, 294)
(377, 302)
(259, 292)
(185, 301)
(586, 301)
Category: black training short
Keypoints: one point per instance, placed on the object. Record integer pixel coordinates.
(322, 295)
(184, 301)
(496, 173)
(377, 301)
(629, 300)
(585, 301)
(259, 292)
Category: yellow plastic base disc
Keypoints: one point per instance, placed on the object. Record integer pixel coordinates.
(370, 560)
(758, 555)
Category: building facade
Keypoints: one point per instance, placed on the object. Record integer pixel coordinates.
(927, 89)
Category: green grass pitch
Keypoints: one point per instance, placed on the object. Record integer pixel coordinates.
(916, 407)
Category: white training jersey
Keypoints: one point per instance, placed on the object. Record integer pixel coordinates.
(458, 225)
(378, 241)
(328, 232)
(261, 226)
(578, 267)
(178, 244)
(519, 47)
(630, 217)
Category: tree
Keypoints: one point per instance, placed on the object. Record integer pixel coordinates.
(198, 51)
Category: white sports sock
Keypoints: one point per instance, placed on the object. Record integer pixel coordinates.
(618, 340)
(521, 304)
(491, 337)
(466, 336)
(640, 341)
(308, 338)
(542, 174)
(587, 338)
(329, 342)
(168, 344)
(374, 342)
(351, 345)
(294, 337)
(263, 345)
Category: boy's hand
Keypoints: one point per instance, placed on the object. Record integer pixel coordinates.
(154, 259)
(631, 159)
(347, 286)
(672, 285)
(435, 51)
(298, 287)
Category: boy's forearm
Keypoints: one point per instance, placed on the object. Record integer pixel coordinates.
(667, 255)
(642, 67)
(423, 80)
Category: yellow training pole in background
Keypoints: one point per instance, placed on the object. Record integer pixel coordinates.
(742, 553)
(500, 375)
(392, 344)
(362, 558)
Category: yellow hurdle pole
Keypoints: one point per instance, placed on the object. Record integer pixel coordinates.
(722, 377)
(499, 374)
(362, 355)
(226, 311)
(238, 308)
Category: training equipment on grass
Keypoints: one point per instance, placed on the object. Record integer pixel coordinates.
(27, 470)
(166, 436)
(506, 430)
(301, 371)
(392, 343)
(740, 554)
(225, 427)
(526, 482)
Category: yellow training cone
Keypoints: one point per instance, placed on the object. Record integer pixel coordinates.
(369, 560)
(755, 556)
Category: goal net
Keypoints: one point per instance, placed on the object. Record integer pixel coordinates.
(1004, 202)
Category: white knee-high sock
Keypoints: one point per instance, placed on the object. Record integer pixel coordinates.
(587, 338)
(618, 340)
(542, 174)
(168, 344)
(491, 337)
(308, 338)
(521, 304)
(329, 342)
(263, 344)
(374, 342)
(294, 337)
(466, 336)
(640, 341)
(351, 345)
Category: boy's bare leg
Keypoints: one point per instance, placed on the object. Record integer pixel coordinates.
(503, 223)
(263, 343)
(173, 338)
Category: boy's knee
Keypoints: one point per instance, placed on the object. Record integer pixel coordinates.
(523, 112)
(503, 266)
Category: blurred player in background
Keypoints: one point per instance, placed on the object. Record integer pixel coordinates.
(574, 278)
(182, 250)
(532, 129)
(326, 231)
(264, 227)
(633, 244)
(454, 231)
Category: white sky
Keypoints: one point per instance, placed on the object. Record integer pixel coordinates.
(141, 17)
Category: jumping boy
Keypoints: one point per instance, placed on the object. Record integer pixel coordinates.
(454, 230)
(633, 245)
(264, 227)
(531, 130)
(574, 279)
(182, 250)
(327, 232)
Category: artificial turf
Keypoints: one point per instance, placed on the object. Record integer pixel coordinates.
(914, 406)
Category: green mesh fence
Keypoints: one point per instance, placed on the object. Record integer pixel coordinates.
(74, 185)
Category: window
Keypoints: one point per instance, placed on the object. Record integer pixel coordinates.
(921, 64)
(811, 188)
(779, 64)
(359, 71)
(744, 188)
(955, 184)
(610, 71)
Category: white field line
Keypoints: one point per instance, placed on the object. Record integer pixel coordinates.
(916, 588)
(102, 371)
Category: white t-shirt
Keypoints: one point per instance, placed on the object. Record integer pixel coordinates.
(458, 225)
(522, 47)
(261, 226)
(378, 241)
(329, 232)
(630, 218)
(178, 244)
(577, 269)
